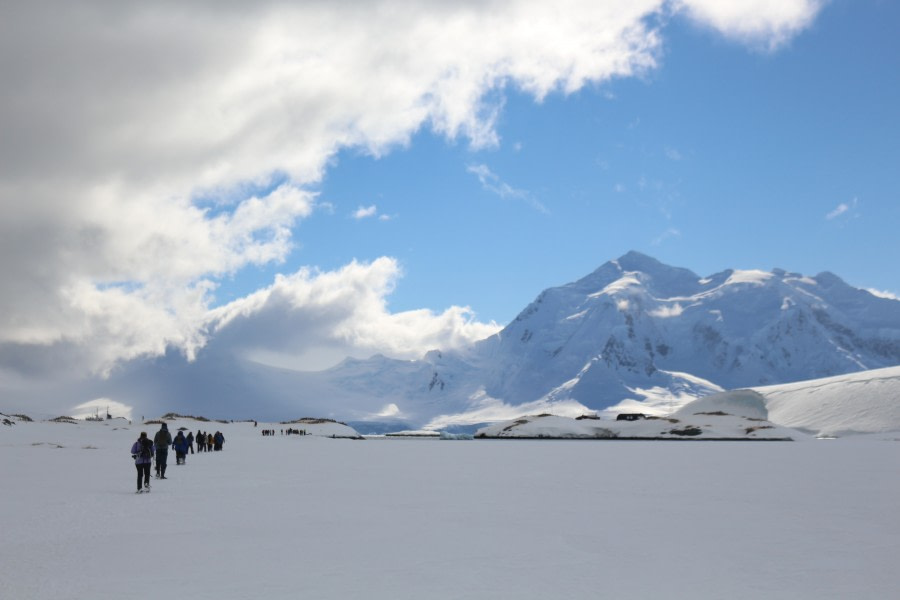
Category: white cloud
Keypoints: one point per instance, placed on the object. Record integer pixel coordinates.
(841, 209)
(343, 312)
(883, 294)
(390, 410)
(369, 212)
(364, 212)
(838, 211)
(151, 149)
(492, 183)
(667, 312)
(668, 234)
(765, 23)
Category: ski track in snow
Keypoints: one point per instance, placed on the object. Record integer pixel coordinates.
(291, 516)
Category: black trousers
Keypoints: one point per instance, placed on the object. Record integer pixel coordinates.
(162, 454)
(143, 472)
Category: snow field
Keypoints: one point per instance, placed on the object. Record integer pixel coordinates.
(296, 516)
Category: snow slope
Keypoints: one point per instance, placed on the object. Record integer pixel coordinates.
(292, 516)
(867, 402)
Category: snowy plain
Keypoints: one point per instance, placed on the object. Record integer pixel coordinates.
(310, 516)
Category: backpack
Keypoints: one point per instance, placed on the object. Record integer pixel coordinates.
(145, 448)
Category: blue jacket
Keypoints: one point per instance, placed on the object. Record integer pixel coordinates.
(136, 452)
(180, 444)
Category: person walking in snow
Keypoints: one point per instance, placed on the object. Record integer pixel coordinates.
(142, 453)
(190, 441)
(179, 444)
(201, 440)
(218, 440)
(162, 440)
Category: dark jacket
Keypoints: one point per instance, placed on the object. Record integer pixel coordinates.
(163, 439)
(180, 444)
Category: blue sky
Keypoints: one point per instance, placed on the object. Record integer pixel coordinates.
(725, 156)
(289, 184)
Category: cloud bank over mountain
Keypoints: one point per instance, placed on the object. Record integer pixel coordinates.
(151, 151)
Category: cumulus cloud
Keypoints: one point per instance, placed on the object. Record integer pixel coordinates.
(151, 149)
(766, 23)
(311, 319)
(123, 279)
(370, 212)
(364, 212)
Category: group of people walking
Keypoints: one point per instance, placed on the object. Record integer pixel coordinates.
(207, 442)
(266, 432)
(144, 450)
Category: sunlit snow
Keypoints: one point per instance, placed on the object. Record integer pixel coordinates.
(313, 517)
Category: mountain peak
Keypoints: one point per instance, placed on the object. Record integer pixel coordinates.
(661, 279)
(637, 261)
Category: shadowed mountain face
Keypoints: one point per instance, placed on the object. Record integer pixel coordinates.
(633, 329)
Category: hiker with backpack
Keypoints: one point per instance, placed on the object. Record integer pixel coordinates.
(190, 441)
(142, 453)
(179, 444)
(162, 440)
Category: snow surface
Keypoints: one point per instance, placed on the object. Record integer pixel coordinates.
(314, 517)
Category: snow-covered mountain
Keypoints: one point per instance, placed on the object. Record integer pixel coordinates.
(636, 330)
(633, 335)
(635, 326)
